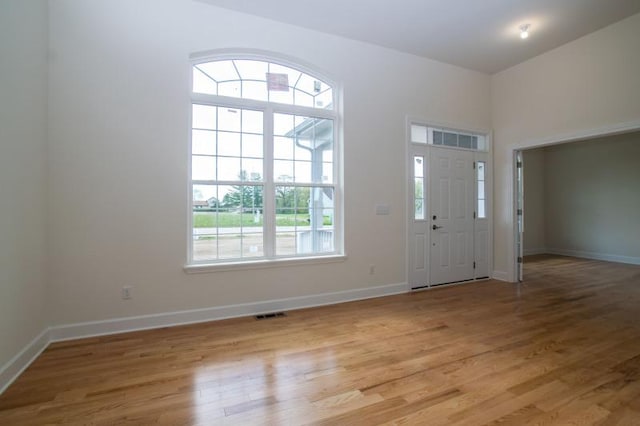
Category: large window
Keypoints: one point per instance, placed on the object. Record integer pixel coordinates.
(264, 163)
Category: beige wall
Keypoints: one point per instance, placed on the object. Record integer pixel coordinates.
(119, 80)
(23, 121)
(534, 201)
(593, 198)
(585, 87)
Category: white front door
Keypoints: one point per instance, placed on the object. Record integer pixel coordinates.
(452, 206)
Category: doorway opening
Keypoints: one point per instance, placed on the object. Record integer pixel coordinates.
(578, 198)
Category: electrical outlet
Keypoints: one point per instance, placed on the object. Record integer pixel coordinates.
(126, 292)
(372, 269)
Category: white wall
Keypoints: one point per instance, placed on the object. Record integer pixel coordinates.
(534, 201)
(118, 153)
(592, 198)
(584, 87)
(23, 121)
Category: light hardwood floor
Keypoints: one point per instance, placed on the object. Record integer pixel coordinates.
(561, 348)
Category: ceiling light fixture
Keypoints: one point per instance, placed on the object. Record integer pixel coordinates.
(524, 31)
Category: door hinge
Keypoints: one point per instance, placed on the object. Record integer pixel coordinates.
(519, 259)
(474, 165)
(474, 215)
(474, 265)
(519, 164)
(519, 212)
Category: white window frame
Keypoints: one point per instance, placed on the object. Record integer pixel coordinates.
(269, 183)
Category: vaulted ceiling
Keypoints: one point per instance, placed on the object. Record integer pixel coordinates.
(482, 35)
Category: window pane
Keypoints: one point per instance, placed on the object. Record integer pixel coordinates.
(285, 199)
(481, 166)
(205, 247)
(203, 168)
(306, 84)
(302, 152)
(482, 143)
(293, 75)
(252, 244)
(252, 169)
(204, 117)
(450, 139)
(464, 141)
(251, 145)
(229, 244)
(229, 119)
(251, 70)
(229, 144)
(418, 166)
(252, 121)
(202, 83)
(219, 70)
(302, 172)
(203, 142)
(481, 209)
(230, 88)
(283, 148)
(204, 192)
(302, 198)
(283, 170)
(254, 90)
(228, 168)
(437, 137)
(302, 99)
(324, 100)
(419, 210)
(327, 172)
(481, 189)
(418, 134)
(283, 124)
(285, 243)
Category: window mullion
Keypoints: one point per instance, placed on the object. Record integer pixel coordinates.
(269, 224)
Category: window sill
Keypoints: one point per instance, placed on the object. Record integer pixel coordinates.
(261, 264)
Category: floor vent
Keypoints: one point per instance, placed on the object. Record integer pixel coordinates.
(270, 315)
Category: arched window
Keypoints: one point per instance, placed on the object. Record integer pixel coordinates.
(264, 162)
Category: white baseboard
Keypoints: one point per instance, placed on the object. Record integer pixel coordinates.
(596, 256)
(12, 369)
(143, 322)
(501, 276)
(532, 251)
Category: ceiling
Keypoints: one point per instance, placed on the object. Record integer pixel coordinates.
(480, 35)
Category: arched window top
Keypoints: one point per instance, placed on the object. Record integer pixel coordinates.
(263, 81)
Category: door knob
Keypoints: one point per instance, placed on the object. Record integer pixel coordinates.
(434, 227)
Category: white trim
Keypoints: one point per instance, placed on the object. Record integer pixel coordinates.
(14, 368)
(143, 322)
(487, 157)
(501, 276)
(598, 132)
(261, 264)
(596, 256)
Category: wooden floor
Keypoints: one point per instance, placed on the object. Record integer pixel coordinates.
(561, 348)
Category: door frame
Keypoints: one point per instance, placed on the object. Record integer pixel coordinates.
(409, 196)
(617, 129)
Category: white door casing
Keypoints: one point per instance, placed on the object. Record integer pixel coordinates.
(454, 186)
